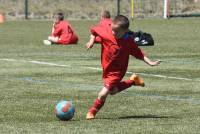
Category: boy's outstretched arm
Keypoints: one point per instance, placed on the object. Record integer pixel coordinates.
(90, 44)
(150, 62)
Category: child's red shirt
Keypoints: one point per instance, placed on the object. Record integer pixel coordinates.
(106, 22)
(64, 31)
(115, 54)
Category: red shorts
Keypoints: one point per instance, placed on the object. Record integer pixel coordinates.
(72, 40)
(111, 82)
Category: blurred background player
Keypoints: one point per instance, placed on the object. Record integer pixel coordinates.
(117, 45)
(62, 32)
(105, 20)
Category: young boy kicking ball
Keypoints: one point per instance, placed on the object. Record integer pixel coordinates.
(117, 45)
(62, 32)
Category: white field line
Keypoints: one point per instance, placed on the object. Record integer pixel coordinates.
(94, 68)
(167, 77)
(37, 62)
(48, 63)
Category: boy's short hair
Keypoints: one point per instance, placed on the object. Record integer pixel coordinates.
(60, 15)
(105, 14)
(122, 21)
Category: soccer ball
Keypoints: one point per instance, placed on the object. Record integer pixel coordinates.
(64, 110)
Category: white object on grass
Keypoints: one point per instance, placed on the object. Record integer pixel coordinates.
(47, 42)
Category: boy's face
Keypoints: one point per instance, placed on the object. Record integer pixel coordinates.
(56, 19)
(118, 32)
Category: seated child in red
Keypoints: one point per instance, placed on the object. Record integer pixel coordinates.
(117, 45)
(62, 32)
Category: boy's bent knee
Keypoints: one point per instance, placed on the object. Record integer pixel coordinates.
(103, 94)
(114, 91)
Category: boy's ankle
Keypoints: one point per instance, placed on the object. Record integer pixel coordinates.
(91, 114)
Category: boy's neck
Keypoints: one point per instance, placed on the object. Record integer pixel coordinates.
(58, 22)
(124, 36)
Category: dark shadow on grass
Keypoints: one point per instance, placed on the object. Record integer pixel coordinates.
(139, 117)
(72, 120)
(146, 117)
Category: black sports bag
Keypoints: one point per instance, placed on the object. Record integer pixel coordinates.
(142, 38)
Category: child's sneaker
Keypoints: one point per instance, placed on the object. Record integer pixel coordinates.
(47, 42)
(90, 116)
(137, 80)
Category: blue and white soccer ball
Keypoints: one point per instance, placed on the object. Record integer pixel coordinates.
(64, 110)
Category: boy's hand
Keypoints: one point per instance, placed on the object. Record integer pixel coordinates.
(155, 63)
(151, 63)
(54, 24)
(89, 45)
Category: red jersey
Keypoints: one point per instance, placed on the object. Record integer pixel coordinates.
(115, 54)
(65, 33)
(106, 22)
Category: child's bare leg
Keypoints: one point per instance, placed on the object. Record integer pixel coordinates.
(53, 39)
(98, 103)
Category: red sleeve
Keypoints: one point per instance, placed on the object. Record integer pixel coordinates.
(98, 39)
(94, 30)
(57, 31)
(136, 51)
(99, 30)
